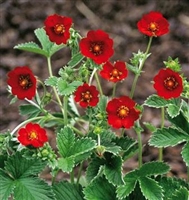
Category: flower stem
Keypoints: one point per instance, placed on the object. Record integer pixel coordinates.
(65, 110)
(162, 125)
(25, 122)
(139, 149)
(114, 89)
(98, 140)
(140, 68)
(51, 74)
(79, 172)
(188, 173)
(98, 83)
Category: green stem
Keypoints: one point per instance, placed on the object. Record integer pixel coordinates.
(98, 140)
(79, 172)
(139, 149)
(78, 131)
(54, 88)
(114, 89)
(162, 125)
(25, 122)
(72, 176)
(98, 83)
(188, 173)
(65, 110)
(140, 68)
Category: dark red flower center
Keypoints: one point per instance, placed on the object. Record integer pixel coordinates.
(33, 135)
(86, 96)
(170, 83)
(153, 27)
(59, 29)
(25, 81)
(122, 112)
(96, 48)
(115, 74)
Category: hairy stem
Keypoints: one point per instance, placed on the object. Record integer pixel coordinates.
(98, 83)
(162, 125)
(55, 92)
(140, 68)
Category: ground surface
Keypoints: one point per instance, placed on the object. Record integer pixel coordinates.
(18, 19)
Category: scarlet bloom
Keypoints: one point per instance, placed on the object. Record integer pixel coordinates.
(122, 112)
(86, 95)
(153, 24)
(168, 84)
(22, 82)
(57, 28)
(114, 73)
(32, 135)
(97, 46)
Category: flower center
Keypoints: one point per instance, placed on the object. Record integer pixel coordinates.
(96, 48)
(86, 96)
(25, 81)
(33, 135)
(170, 83)
(59, 29)
(123, 112)
(115, 74)
(153, 27)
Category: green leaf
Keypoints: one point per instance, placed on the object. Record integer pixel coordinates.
(170, 185)
(32, 189)
(132, 68)
(67, 191)
(73, 106)
(153, 168)
(18, 166)
(94, 168)
(102, 103)
(185, 153)
(113, 170)
(182, 193)
(65, 141)
(49, 47)
(65, 88)
(51, 81)
(31, 47)
(128, 145)
(66, 164)
(6, 185)
(173, 110)
(132, 176)
(167, 137)
(100, 189)
(156, 101)
(83, 145)
(150, 126)
(180, 122)
(72, 150)
(124, 190)
(75, 60)
(27, 109)
(185, 109)
(150, 188)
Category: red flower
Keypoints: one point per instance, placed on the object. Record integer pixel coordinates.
(153, 24)
(114, 73)
(86, 95)
(22, 82)
(57, 28)
(122, 113)
(168, 84)
(33, 135)
(97, 46)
